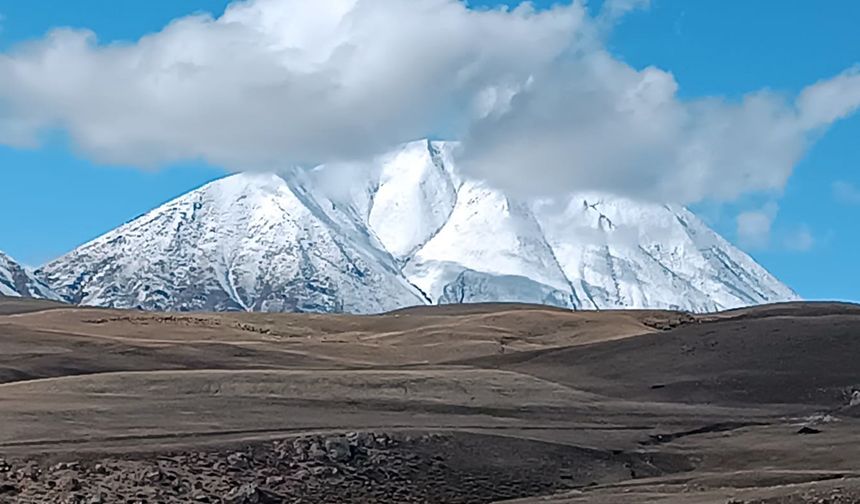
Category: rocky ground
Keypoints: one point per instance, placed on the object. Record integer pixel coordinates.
(358, 467)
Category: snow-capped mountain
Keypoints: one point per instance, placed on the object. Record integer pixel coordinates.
(649, 255)
(16, 281)
(247, 242)
(408, 230)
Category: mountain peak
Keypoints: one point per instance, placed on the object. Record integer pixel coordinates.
(412, 231)
(247, 242)
(18, 281)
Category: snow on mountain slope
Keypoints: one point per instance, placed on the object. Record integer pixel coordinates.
(619, 253)
(492, 234)
(16, 281)
(591, 251)
(408, 229)
(414, 197)
(471, 286)
(594, 251)
(245, 242)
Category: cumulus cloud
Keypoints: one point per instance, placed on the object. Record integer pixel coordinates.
(275, 83)
(800, 240)
(754, 226)
(598, 123)
(755, 230)
(846, 192)
(830, 100)
(614, 9)
(539, 104)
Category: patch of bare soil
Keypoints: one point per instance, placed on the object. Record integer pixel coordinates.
(10, 305)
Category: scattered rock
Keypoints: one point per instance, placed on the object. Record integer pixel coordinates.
(338, 449)
(153, 476)
(237, 460)
(382, 440)
(808, 430)
(69, 483)
(30, 471)
(300, 475)
(360, 439)
(274, 480)
(250, 494)
(820, 418)
(316, 452)
(352, 469)
(8, 489)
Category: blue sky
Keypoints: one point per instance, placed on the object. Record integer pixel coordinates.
(55, 198)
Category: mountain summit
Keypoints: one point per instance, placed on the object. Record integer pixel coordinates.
(249, 242)
(414, 231)
(17, 281)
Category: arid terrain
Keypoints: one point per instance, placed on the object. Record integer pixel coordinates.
(459, 404)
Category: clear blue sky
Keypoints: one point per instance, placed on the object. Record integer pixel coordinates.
(54, 200)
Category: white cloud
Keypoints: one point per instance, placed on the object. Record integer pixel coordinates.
(754, 226)
(614, 9)
(597, 123)
(846, 193)
(800, 240)
(277, 82)
(830, 100)
(541, 106)
(755, 230)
